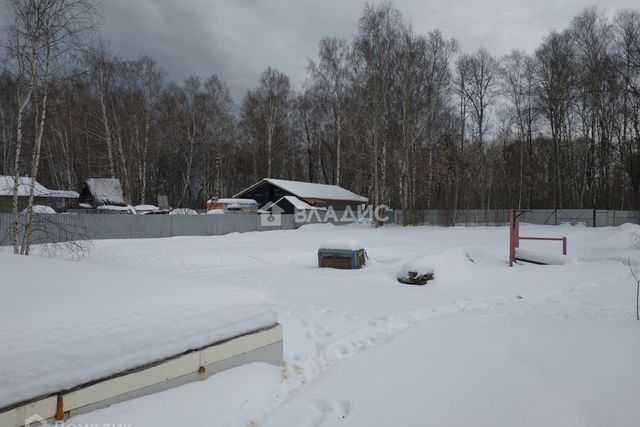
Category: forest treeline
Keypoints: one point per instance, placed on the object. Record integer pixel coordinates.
(411, 120)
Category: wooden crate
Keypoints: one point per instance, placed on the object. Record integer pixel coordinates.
(341, 258)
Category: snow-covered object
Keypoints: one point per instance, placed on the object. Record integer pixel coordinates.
(415, 276)
(342, 244)
(149, 209)
(443, 263)
(106, 191)
(539, 257)
(85, 205)
(126, 209)
(417, 271)
(215, 212)
(40, 209)
(183, 211)
(145, 208)
(63, 324)
(24, 187)
(242, 202)
(299, 204)
(309, 190)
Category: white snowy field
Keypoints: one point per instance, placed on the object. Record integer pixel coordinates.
(481, 344)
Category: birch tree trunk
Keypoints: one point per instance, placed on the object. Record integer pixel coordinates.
(107, 133)
(15, 228)
(35, 165)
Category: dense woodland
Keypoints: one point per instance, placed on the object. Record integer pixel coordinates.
(411, 120)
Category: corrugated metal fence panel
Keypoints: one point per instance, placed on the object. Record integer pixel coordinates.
(53, 228)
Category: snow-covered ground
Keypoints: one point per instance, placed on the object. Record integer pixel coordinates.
(64, 324)
(481, 344)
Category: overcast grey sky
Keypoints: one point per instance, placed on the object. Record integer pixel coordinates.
(238, 39)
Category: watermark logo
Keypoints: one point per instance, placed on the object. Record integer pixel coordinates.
(379, 214)
(35, 421)
(273, 218)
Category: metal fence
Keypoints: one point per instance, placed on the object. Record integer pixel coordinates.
(53, 228)
(471, 217)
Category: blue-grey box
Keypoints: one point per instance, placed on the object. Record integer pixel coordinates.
(342, 258)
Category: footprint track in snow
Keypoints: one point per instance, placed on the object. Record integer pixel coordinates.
(383, 330)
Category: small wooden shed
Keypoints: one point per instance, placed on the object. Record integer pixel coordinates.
(98, 192)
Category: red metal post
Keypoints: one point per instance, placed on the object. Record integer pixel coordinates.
(516, 215)
(513, 225)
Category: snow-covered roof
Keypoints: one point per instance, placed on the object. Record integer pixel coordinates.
(152, 313)
(342, 244)
(106, 191)
(309, 190)
(236, 201)
(141, 208)
(24, 186)
(298, 204)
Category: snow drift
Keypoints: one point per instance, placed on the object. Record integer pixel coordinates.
(63, 324)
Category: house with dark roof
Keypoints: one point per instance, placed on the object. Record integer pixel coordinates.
(292, 195)
(59, 200)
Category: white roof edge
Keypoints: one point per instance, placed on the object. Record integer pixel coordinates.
(299, 204)
(249, 188)
(235, 200)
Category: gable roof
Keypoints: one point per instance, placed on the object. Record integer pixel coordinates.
(309, 190)
(24, 187)
(106, 191)
(298, 204)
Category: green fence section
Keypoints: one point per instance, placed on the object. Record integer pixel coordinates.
(471, 217)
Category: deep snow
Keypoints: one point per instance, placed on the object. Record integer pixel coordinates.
(63, 324)
(481, 344)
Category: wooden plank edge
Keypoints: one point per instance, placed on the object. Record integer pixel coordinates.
(264, 345)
